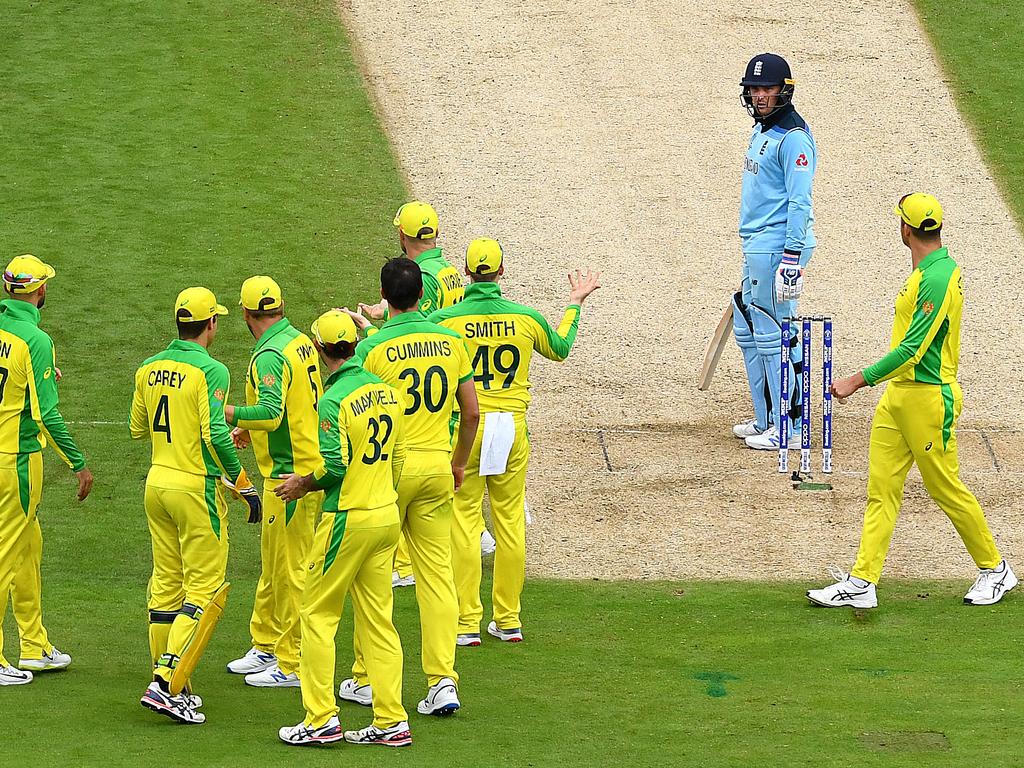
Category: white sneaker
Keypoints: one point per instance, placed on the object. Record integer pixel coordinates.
(14, 676)
(402, 581)
(468, 640)
(194, 699)
(764, 441)
(175, 707)
(395, 736)
(746, 429)
(844, 593)
(300, 734)
(991, 585)
(253, 661)
(52, 660)
(487, 543)
(357, 694)
(505, 635)
(442, 699)
(273, 678)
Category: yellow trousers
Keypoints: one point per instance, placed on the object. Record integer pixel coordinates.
(285, 539)
(425, 505)
(21, 487)
(403, 563)
(917, 423)
(27, 595)
(351, 554)
(188, 524)
(507, 493)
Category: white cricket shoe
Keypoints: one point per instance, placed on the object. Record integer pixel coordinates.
(487, 543)
(764, 441)
(746, 429)
(300, 734)
(253, 661)
(442, 699)
(844, 593)
(14, 676)
(468, 639)
(991, 585)
(52, 660)
(194, 699)
(175, 707)
(402, 581)
(395, 736)
(273, 678)
(505, 635)
(357, 694)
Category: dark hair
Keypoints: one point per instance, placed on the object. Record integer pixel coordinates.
(275, 312)
(478, 278)
(189, 329)
(401, 283)
(927, 234)
(340, 350)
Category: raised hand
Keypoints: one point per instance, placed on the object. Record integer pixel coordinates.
(581, 286)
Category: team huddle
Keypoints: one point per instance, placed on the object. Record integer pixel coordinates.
(362, 436)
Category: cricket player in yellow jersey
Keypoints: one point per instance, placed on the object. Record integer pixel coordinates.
(502, 338)
(417, 225)
(179, 406)
(430, 366)
(362, 449)
(915, 421)
(279, 419)
(29, 418)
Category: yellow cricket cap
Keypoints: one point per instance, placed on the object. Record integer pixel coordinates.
(196, 304)
(334, 326)
(920, 210)
(261, 293)
(26, 274)
(417, 220)
(483, 257)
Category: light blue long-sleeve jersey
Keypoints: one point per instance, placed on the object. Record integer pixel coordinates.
(775, 209)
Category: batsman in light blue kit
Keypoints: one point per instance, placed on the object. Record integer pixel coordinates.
(777, 230)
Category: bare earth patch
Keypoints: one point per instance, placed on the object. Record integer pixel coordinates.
(614, 137)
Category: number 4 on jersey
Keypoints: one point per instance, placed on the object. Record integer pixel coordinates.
(503, 359)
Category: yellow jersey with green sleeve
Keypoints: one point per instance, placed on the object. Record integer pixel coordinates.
(179, 406)
(442, 283)
(426, 362)
(362, 444)
(925, 344)
(502, 337)
(29, 416)
(282, 389)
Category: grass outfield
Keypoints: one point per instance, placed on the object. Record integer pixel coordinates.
(610, 674)
(979, 44)
(165, 144)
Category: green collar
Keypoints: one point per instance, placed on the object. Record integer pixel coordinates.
(349, 366)
(276, 328)
(483, 290)
(181, 345)
(934, 256)
(404, 318)
(433, 253)
(21, 310)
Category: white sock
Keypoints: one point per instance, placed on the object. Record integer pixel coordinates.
(857, 581)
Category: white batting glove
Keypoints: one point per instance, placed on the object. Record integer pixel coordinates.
(789, 280)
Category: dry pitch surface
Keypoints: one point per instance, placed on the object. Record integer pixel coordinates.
(614, 138)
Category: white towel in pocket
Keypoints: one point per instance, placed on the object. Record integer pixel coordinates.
(499, 434)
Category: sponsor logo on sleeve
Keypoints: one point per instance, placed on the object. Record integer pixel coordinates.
(927, 307)
(218, 394)
(325, 425)
(801, 162)
(269, 380)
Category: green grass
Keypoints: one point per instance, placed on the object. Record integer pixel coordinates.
(153, 145)
(610, 674)
(980, 45)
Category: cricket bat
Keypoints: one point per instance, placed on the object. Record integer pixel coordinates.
(714, 353)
